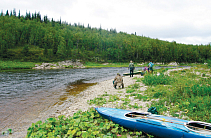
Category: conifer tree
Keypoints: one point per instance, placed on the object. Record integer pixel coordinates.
(19, 15)
(45, 19)
(29, 16)
(14, 12)
(35, 15)
(7, 13)
(52, 22)
(32, 16)
(10, 13)
(2, 13)
(39, 17)
(26, 16)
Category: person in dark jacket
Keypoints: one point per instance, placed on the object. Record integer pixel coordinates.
(131, 67)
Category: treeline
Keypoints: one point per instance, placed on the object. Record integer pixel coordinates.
(32, 38)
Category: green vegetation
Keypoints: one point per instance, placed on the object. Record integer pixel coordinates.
(9, 65)
(9, 131)
(186, 96)
(91, 64)
(32, 38)
(87, 124)
(151, 79)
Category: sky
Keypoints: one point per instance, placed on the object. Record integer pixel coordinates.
(183, 21)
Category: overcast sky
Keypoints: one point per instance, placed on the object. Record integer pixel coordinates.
(183, 21)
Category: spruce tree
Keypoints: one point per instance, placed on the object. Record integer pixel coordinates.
(14, 12)
(2, 13)
(26, 16)
(60, 22)
(11, 13)
(19, 15)
(7, 13)
(29, 16)
(32, 16)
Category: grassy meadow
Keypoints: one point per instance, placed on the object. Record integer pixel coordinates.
(11, 65)
(181, 93)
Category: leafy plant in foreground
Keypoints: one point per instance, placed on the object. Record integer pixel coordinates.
(97, 101)
(82, 124)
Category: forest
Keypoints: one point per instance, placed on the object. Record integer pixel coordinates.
(36, 39)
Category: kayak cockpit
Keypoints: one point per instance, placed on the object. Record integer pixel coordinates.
(137, 114)
(199, 127)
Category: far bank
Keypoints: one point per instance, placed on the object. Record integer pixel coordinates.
(17, 65)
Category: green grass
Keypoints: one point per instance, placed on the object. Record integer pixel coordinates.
(92, 65)
(188, 95)
(100, 65)
(185, 92)
(151, 79)
(10, 65)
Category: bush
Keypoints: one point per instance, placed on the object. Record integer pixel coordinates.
(157, 79)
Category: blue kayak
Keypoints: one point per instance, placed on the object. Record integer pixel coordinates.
(157, 125)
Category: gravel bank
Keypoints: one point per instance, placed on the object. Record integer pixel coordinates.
(79, 102)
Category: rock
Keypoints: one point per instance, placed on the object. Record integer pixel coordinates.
(173, 63)
(60, 65)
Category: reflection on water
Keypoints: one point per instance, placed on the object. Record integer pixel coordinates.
(74, 89)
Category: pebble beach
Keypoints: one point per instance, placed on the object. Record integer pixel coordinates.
(79, 102)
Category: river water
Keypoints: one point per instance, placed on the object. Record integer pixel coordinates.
(26, 93)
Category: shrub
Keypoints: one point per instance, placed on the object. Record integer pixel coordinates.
(157, 79)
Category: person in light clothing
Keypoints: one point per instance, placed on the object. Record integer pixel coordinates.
(150, 65)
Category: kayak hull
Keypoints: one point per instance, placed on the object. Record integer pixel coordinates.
(134, 73)
(151, 124)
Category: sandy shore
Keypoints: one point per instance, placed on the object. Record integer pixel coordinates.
(79, 102)
(100, 89)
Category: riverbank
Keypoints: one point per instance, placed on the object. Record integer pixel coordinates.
(79, 102)
(117, 97)
(16, 65)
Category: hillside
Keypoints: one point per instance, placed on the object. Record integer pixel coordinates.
(29, 38)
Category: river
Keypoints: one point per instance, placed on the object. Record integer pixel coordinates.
(24, 94)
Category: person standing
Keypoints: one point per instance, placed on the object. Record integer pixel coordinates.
(150, 66)
(131, 67)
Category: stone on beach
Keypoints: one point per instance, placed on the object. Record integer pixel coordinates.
(60, 65)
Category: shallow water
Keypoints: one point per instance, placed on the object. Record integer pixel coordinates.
(27, 93)
(24, 94)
